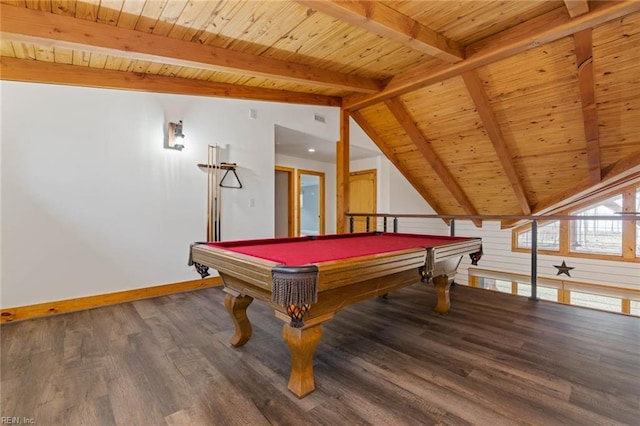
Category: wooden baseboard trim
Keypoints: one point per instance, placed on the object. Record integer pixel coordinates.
(81, 303)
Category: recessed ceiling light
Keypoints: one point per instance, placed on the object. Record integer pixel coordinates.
(311, 150)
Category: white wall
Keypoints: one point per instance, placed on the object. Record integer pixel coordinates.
(93, 204)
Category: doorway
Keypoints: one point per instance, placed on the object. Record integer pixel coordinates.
(310, 202)
(284, 202)
(363, 197)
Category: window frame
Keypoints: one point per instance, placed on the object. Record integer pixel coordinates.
(527, 228)
(629, 253)
(574, 234)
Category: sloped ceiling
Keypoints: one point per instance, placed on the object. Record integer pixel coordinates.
(486, 107)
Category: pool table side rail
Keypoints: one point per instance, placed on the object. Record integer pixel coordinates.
(332, 274)
(254, 271)
(457, 249)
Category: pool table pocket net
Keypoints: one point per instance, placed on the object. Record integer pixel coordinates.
(295, 288)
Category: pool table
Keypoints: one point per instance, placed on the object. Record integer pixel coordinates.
(307, 280)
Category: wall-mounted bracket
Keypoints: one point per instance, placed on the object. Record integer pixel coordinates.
(228, 167)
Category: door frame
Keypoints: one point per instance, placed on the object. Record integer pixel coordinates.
(299, 190)
(290, 196)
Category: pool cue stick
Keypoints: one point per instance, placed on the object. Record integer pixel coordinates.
(218, 195)
(216, 199)
(210, 230)
(208, 198)
(214, 190)
(217, 224)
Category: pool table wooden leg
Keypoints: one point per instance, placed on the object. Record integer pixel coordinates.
(237, 308)
(442, 285)
(302, 344)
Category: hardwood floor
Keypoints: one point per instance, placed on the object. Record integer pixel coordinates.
(494, 359)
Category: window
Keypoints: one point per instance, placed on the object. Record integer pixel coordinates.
(497, 285)
(512, 287)
(595, 301)
(590, 295)
(545, 293)
(548, 237)
(598, 236)
(606, 238)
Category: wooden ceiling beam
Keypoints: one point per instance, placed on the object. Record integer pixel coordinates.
(627, 166)
(584, 60)
(48, 72)
(401, 114)
(380, 19)
(391, 156)
(623, 172)
(544, 29)
(576, 7)
(483, 107)
(48, 29)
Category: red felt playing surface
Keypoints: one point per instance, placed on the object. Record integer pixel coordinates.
(303, 251)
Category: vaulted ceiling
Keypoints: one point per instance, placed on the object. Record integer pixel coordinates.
(503, 107)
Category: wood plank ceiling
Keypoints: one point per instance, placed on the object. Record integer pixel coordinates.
(486, 107)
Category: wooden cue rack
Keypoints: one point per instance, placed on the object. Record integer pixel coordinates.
(214, 185)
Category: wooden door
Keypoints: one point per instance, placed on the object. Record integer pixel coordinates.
(363, 198)
(284, 202)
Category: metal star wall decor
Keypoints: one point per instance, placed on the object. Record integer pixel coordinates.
(563, 269)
